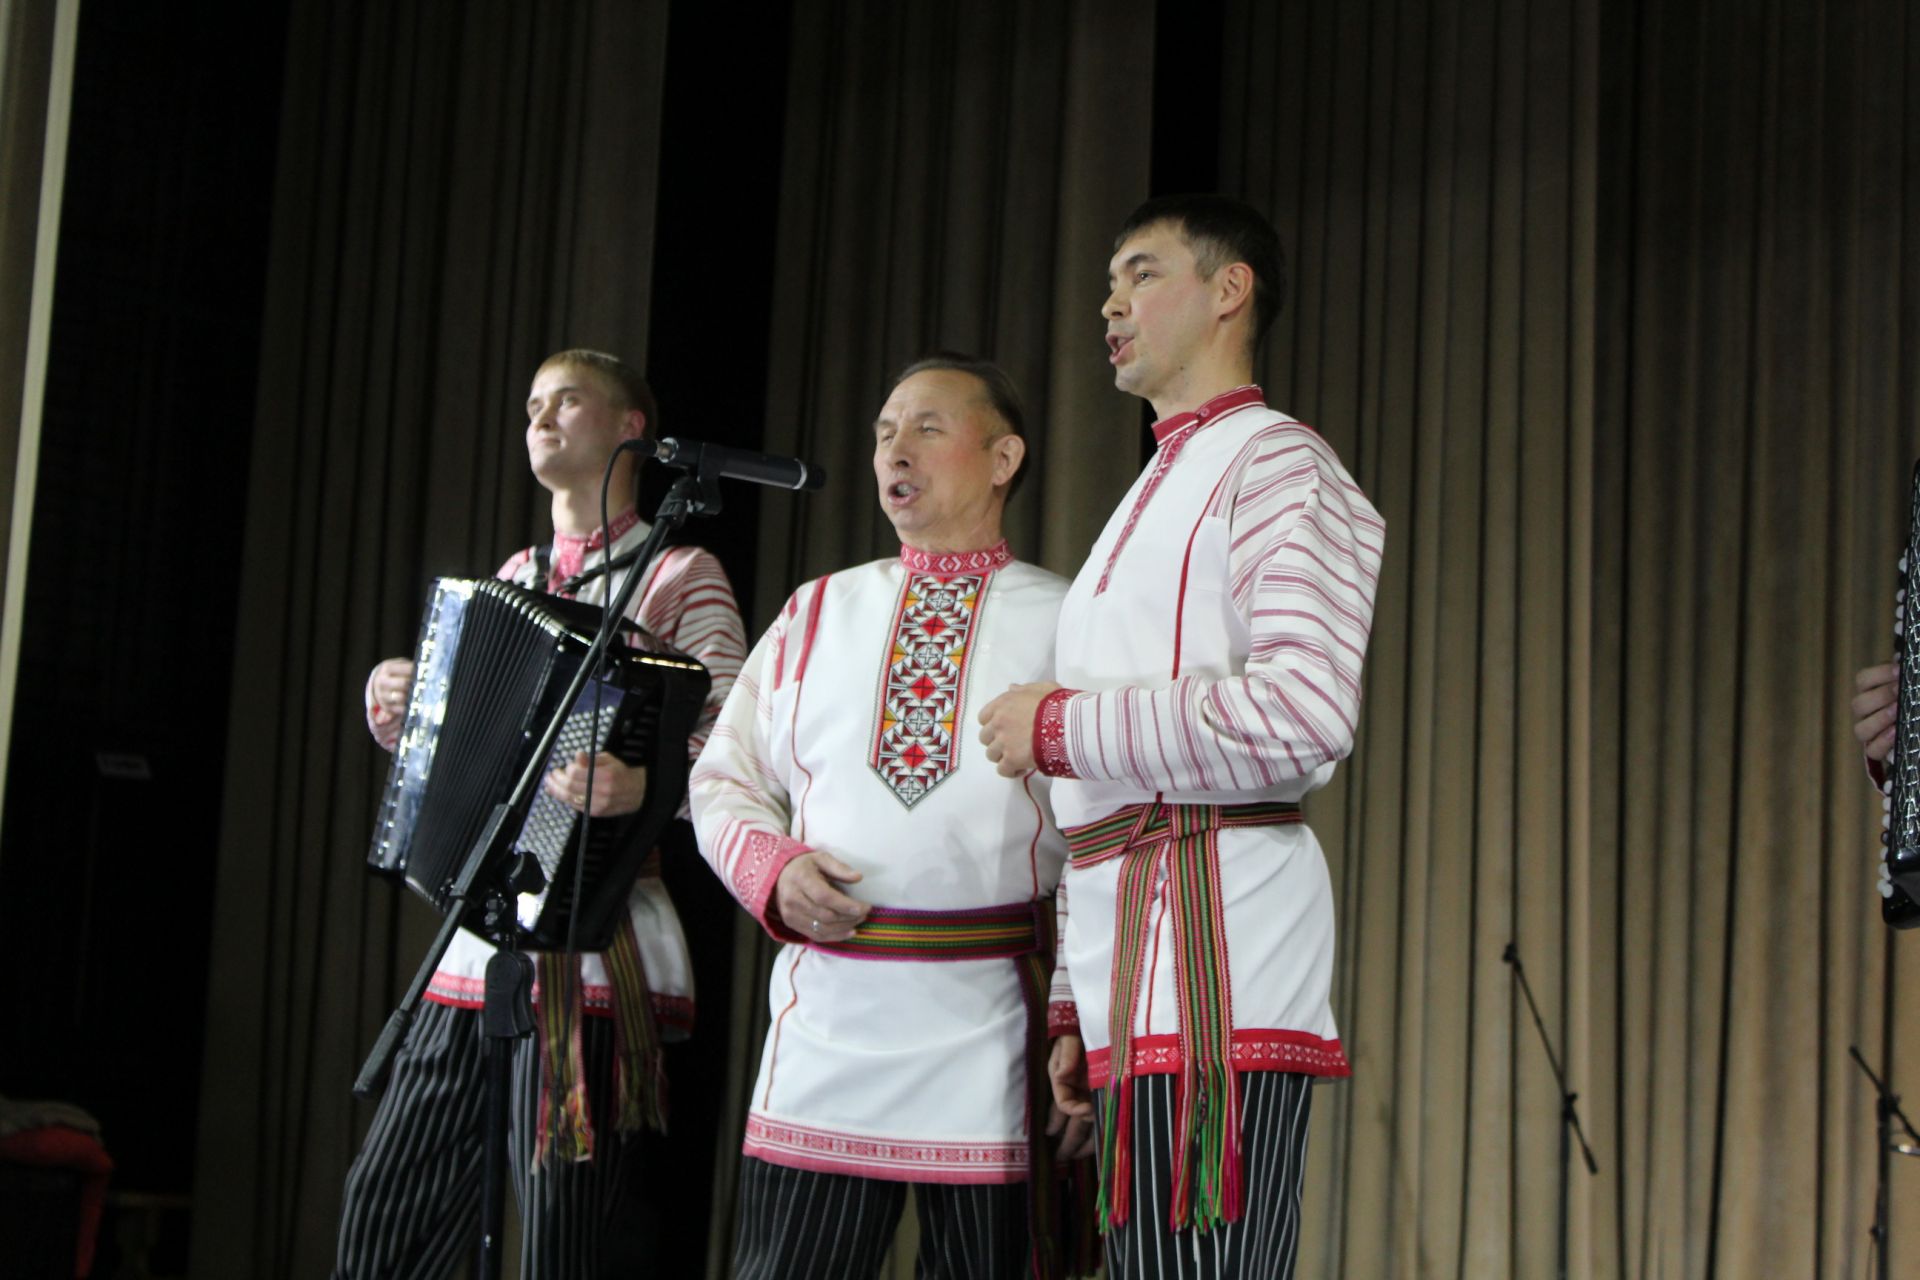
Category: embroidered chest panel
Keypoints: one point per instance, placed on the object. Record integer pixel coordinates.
(916, 742)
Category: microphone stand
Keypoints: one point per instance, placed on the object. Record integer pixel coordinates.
(1569, 1116)
(1886, 1109)
(491, 878)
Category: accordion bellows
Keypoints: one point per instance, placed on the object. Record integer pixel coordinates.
(492, 663)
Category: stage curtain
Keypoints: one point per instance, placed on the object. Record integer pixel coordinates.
(1612, 308)
(36, 87)
(462, 189)
(28, 88)
(953, 177)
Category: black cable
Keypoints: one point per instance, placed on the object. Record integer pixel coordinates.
(572, 585)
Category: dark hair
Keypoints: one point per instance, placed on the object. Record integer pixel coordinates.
(630, 389)
(1220, 231)
(1001, 395)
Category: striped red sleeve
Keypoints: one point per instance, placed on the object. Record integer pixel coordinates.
(1303, 564)
(689, 604)
(1063, 1015)
(741, 808)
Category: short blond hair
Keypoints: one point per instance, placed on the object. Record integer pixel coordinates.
(628, 384)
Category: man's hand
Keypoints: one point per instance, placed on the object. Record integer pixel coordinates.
(1071, 1115)
(392, 682)
(1877, 690)
(618, 787)
(809, 901)
(1007, 727)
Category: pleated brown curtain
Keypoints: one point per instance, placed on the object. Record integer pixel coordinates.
(1612, 307)
(953, 175)
(462, 189)
(1767, 357)
(28, 89)
(37, 39)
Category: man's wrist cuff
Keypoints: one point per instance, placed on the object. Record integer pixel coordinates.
(1050, 735)
(765, 857)
(1063, 1018)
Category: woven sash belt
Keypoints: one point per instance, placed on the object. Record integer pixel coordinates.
(1023, 933)
(639, 1065)
(1181, 839)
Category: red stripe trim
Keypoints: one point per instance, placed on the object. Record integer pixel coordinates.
(773, 1054)
(886, 1159)
(799, 676)
(1253, 1050)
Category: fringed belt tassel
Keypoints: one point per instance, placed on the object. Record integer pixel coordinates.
(1063, 1240)
(639, 1064)
(1206, 1135)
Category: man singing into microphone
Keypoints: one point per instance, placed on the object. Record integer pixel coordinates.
(412, 1202)
(1210, 650)
(844, 803)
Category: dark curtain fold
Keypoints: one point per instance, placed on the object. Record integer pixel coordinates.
(952, 176)
(35, 84)
(462, 189)
(1611, 307)
(27, 89)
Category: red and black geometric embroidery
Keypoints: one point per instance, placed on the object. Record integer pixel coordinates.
(915, 746)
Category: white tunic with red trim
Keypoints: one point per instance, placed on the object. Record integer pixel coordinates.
(852, 731)
(688, 603)
(1215, 637)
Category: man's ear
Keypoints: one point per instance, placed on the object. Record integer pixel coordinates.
(1233, 290)
(634, 425)
(1008, 451)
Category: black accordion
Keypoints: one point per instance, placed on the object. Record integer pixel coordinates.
(1900, 839)
(491, 666)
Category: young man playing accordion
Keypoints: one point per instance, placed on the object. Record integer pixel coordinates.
(412, 1201)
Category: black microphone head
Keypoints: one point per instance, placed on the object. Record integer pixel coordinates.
(813, 477)
(1509, 955)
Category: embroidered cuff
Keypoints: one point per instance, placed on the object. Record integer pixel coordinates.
(1050, 735)
(767, 855)
(1063, 1018)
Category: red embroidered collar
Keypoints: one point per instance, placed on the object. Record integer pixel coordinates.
(945, 564)
(570, 550)
(1226, 401)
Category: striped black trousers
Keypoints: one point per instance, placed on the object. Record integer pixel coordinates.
(1273, 1146)
(796, 1224)
(412, 1205)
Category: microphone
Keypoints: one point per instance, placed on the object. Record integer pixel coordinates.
(740, 464)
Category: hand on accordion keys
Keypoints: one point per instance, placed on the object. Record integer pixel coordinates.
(1875, 699)
(617, 787)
